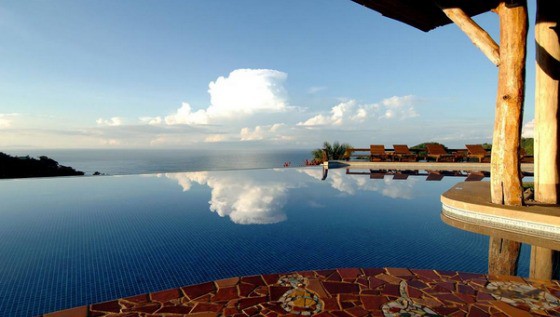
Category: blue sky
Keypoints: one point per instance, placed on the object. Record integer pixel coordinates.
(245, 73)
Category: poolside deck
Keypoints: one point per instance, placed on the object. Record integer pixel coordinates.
(442, 166)
(343, 293)
(467, 206)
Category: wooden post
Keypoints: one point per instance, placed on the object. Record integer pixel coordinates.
(476, 34)
(547, 159)
(544, 263)
(503, 256)
(505, 167)
(546, 103)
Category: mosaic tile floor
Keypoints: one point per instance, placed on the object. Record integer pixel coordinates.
(348, 292)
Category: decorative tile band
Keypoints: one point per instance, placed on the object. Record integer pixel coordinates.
(524, 227)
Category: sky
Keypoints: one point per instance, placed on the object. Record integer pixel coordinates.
(239, 74)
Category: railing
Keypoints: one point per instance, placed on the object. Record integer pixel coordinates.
(365, 154)
(421, 153)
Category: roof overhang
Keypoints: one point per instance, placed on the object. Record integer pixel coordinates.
(426, 15)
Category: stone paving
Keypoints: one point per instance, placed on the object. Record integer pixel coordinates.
(349, 292)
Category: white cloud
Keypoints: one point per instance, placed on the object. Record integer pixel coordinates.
(248, 91)
(185, 115)
(112, 122)
(243, 93)
(276, 131)
(399, 107)
(528, 129)
(349, 113)
(343, 113)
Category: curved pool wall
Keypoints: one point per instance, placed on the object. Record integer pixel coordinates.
(66, 242)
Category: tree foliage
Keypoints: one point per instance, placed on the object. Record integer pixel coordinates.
(334, 151)
(422, 146)
(528, 145)
(20, 167)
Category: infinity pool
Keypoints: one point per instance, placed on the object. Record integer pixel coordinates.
(67, 242)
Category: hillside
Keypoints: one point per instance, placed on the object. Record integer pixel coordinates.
(21, 167)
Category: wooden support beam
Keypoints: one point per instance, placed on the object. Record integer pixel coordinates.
(547, 160)
(544, 263)
(503, 256)
(505, 168)
(547, 114)
(476, 34)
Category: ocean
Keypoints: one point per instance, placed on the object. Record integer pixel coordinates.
(125, 162)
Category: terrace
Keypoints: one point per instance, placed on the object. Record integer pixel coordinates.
(343, 292)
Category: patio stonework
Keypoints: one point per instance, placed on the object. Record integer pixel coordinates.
(346, 292)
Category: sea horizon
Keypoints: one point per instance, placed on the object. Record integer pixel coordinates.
(148, 161)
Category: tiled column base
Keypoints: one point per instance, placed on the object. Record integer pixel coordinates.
(343, 292)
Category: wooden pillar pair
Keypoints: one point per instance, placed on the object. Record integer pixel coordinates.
(505, 170)
(510, 57)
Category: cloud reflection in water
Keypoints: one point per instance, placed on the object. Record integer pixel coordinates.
(351, 184)
(245, 200)
(248, 199)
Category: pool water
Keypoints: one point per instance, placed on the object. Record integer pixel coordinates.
(71, 241)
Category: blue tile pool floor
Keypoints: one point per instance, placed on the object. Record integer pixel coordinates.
(66, 242)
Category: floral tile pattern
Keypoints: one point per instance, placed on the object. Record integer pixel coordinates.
(348, 292)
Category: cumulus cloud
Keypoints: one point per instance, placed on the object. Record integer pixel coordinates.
(248, 91)
(244, 200)
(271, 132)
(243, 93)
(344, 112)
(112, 122)
(399, 107)
(185, 115)
(350, 113)
(528, 129)
(246, 105)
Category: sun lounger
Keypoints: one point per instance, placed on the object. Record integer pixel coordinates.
(378, 153)
(434, 176)
(478, 152)
(438, 152)
(474, 177)
(403, 153)
(377, 174)
(400, 176)
(524, 158)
